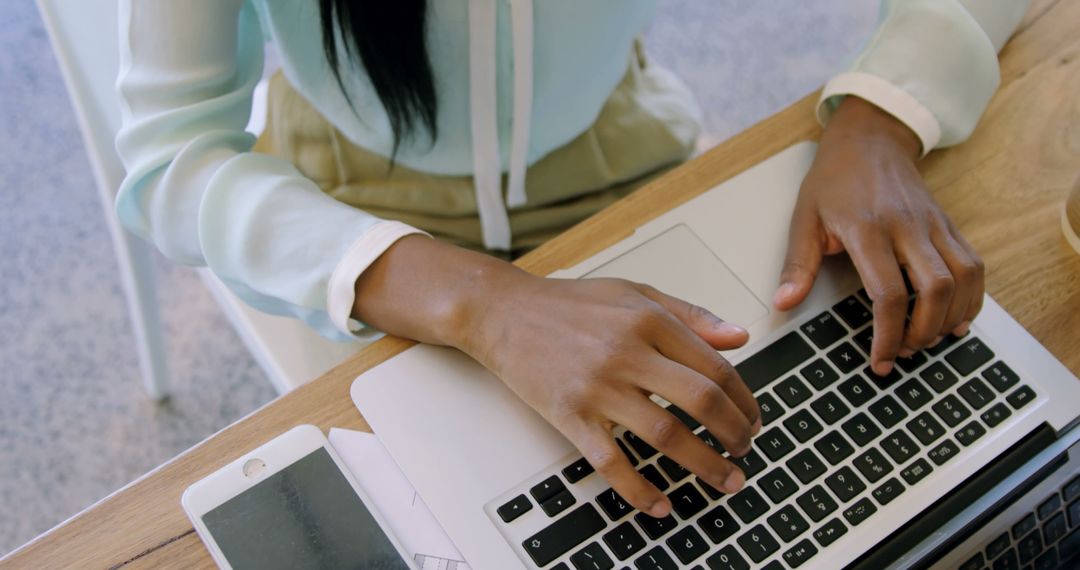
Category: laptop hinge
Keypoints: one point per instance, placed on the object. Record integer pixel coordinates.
(935, 516)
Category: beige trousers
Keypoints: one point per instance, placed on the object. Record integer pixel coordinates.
(648, 124)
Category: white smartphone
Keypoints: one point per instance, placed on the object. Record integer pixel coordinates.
(291, 503)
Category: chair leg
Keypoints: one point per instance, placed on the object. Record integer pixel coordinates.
(137, 274)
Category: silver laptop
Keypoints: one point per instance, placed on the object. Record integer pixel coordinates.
(849, 469)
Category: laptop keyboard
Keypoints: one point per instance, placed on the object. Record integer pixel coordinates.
(1046, 538)
(838, 443)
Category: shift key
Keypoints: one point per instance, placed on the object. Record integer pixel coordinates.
(566, 533)
(773, 361)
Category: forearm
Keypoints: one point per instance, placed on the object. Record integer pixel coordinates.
(433, 292)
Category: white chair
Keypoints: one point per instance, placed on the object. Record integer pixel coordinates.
(84, 37)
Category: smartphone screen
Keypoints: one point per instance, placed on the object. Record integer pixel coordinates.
(304, 516)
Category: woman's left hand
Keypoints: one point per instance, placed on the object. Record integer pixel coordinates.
(865, 196)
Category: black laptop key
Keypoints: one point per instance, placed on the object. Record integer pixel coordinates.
(970, 433)
(684, 417)
(773, 361)
(687, 501)
(806, 466)
(624, 541)
(1070, 546)
(655, 527)
(857, 391)
(819, 374)
(995, 414)
(1000, 376)
(865, 339)
(770, 408)
(938, 376)
(899, 446)
(951, 410)
(861, 429)
(830, 408)
(563, 534)
(652, 475)
(1054, 528)
(846, 358)
(547, 489)
(792, 391)
(829, 532)
(718, 524)
(643, 449)
(873, 465)
(577, 470)
(823, 330)
(845, 484)
(727, 558)
(777, 484)
(946, 343)
(1007, 561)
(655, 559)
(883, 382)
(887, 491)
(803, 425)
(998, 546)
(833, 447)
(674, 471)
(1026, 525)
(758, 544)
(859, 511)
(912, 363)
(514, 508)
(925, 428)
(917, 471)
(943, 452)
(1020, 397)
(626, 451)
(1049, 507)
(592, 557)
(1074, 514)
(1049, 560)
(816, 503)
(888, 411)
(751, 464)
(1029, 547)
(748, 504)
(711, 491)
(788, 523)
(687, 544)
(969, 356)
(615, 507)
(798, 555)
(914, 394)
(1072, 489)
(854, 313)
(976, 393)
(775, 444)
(559, 503)
(560, 566)
(710, 440)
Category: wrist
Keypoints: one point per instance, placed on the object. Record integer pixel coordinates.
(859, 121)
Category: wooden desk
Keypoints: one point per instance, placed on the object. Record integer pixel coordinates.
(1004, 188)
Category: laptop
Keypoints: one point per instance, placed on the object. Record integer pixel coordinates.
(848, 470)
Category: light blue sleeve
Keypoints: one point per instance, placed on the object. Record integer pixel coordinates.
(187, 74)
(932, 64)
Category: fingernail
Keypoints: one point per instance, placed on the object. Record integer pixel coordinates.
(730, 328)
(786, 290)
(734, 481)
(906, 353)
(659, 509)
(962, 329)
(935, 342)
(756, 428)
(884, 368)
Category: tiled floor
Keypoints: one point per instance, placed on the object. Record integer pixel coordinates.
(74, 424)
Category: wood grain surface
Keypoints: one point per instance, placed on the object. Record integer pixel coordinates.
(1004, 188)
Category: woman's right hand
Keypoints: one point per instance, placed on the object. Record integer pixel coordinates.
(586, 354)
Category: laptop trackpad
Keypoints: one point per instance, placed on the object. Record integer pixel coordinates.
(679, 263)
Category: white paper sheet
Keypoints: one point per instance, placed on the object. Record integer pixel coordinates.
(396, 500)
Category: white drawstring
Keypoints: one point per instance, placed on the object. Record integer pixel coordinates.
(483, 108)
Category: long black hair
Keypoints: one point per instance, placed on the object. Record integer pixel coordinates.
(388, 37)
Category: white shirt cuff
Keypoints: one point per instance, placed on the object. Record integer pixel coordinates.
(890, 98)
(341, 293)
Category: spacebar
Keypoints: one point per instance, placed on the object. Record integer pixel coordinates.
(566, 533)
(774, 360)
